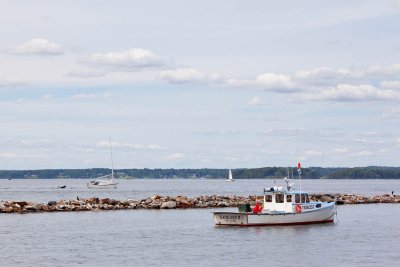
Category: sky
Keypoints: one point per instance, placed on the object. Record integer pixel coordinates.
(199, 84)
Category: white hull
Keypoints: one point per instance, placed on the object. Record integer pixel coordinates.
(325, 214)
(229, 180)
(102, 185)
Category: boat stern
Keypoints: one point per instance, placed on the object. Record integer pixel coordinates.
(230, 218)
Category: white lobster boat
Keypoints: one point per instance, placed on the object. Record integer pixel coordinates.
(282, 206)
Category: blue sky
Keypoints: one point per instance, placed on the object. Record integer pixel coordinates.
(223, 84)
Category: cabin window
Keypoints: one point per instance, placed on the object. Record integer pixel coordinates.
(304, 198)
(279, 198)
(268, 198)
(297, 198)
(288, 198)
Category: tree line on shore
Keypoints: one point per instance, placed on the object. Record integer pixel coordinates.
(372, 172)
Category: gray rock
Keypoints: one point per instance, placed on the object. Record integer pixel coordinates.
(168, 205)
(223, 204)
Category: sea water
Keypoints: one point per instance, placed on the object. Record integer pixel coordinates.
(365, 235)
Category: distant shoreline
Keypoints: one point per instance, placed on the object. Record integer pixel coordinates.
(370, 172)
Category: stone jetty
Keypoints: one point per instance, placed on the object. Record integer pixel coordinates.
(179, 202)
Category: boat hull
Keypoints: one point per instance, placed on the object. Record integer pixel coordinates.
(102, 186)
(323, 215)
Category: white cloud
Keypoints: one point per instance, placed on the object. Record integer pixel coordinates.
(8, 155)
(325, 72)
(340, 150)
(312, 153)
(91, 96)
(393, 113)
(385, 70)
(174, 156)
(327, 76)
(132, 59)
(394, 85)
(188, 75)
(38, 46)
(271, 81)
(106, 144)
(362, 154)
(86, 74)
(254, 101)
(267, 81)
(182, 75)
(11, 82)
(347, 92)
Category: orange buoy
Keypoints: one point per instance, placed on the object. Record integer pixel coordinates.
(298, 208)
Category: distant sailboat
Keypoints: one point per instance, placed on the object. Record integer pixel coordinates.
(230, 179)
(104, 182)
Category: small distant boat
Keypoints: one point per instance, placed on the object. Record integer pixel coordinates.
(282, 206)
(230, 179)
(106, 181)
(62, 186)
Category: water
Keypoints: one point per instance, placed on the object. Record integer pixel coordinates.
(366, 235)
(45, 190)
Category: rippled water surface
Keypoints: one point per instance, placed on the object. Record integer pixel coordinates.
(366, 235)
(46, 190)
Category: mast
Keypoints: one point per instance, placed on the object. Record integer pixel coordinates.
(112, 161)
(299, 172)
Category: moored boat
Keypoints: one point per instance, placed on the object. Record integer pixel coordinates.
(281, 206)
(230, 177)
(106, 181)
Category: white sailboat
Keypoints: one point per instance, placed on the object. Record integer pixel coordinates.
(106, 181)
(230, 179)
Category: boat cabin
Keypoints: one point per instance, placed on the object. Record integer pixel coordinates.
(278, 199)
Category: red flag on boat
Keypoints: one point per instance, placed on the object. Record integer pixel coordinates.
(299, 167)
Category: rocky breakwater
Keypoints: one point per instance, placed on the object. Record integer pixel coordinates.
(179, 202)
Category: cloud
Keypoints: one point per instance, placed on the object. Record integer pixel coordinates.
(254, 101)
(326, 76)
(85, 74)
(132, 59)
(340, 150)
(174, 156)
(106, 144)
(385, 70)
(347, 92)
(188, 75)
(11, 82)
(363, 154)
(8, 155)
(393, 113)
(268, 81)
(312, 153)
(183, 75)
(394, 85)
(91, 96)
(38, 46)
(218, 132)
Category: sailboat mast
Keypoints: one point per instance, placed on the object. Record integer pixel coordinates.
(112, 161)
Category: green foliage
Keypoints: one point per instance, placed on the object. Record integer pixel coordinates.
(244, 173)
